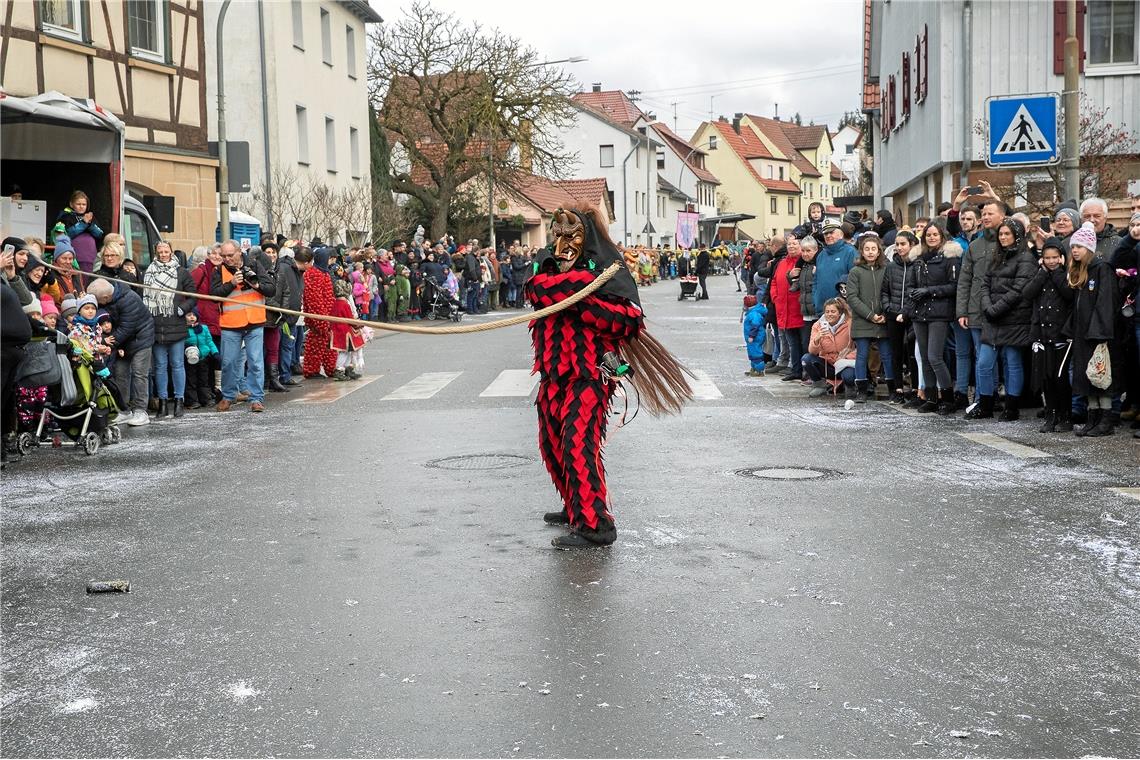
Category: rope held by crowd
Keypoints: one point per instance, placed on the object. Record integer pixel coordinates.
(518, 319)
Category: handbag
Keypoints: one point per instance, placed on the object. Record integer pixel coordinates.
(1099, 369)
(40, 366)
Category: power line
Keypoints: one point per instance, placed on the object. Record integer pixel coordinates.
(712, 85)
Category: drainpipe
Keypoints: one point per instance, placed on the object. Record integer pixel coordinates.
(223, 158)
(650, 160)
(625, 195)
(967, 98)
(265, 119)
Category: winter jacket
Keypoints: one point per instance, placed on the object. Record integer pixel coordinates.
(754, 321)
(1009, 315)
(265, 284)
(134, 325)
(832, 264)
(15, 329)
(519, 269)
(865, 299)
(1127, 257)
(975, 262)
(1107, 240)
(933, 283)
(199, 337)
(702, 263)
(1093, 321)
(287, 294)
(785, 300)
(209, 312)
(1052, 300)
(19, 286)
(471, 269)
(172, 328)
(887, 230)
(895, 293)
(805, 286)
(831, 345)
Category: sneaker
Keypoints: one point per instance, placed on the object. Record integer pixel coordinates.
(789, 378)
(754, 373)
(138, 417)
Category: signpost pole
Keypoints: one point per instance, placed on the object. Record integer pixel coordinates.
(1072, 159)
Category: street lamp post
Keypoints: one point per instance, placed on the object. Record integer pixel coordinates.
(681, 174)
(223, 163)
(490, 155)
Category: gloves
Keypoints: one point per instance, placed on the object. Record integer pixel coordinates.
(919, 294)
(104, 372)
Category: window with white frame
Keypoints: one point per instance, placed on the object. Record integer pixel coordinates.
(792, 206)
(605, 156)
(1112, 32)
(330, 144)
(354, 151)
(62, 18)
(772, 204)
(350, 51)
(302, 135)
(771, 172)
(146, 28)
(298, 25)
(326, 37)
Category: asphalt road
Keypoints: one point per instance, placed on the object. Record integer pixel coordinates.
(307, 583)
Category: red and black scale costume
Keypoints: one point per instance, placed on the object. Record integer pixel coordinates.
(573, 397)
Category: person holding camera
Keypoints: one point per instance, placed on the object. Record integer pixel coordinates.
(242, 320)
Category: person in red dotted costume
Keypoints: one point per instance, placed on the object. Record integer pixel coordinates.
(317, 298)
(574, 393)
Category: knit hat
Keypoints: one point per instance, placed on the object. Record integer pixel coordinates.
(102, 316)
(35, 307)
(1135, 219)
(17, 243)
(63, 245)
(69, 306)
(1071, 213)
(1053, 242)
(47, 306)
(1084, 237)
(84, 300)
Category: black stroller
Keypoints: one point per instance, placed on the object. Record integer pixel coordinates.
(438, 303)
(689, 288)
(84, 405)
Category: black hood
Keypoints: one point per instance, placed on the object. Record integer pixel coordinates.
(597, 255)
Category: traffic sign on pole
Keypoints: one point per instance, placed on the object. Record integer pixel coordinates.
(1021, 130)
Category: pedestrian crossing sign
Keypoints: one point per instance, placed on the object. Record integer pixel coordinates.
(1021, 130)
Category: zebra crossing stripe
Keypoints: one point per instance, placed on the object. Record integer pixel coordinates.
(511, 382)
(425, 386)
(704, 389)
(1004, 444)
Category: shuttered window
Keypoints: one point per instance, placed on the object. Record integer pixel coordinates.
(1061, 30)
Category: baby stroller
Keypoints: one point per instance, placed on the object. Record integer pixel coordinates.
(688, 288)
(438, 303)
(84, 405)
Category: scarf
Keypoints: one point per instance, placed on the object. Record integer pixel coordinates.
(159, 275)
(832, 328)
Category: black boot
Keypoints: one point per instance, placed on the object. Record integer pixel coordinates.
(1049, 424)
(931, 404)
(1011, 412)
(178, 410)
(556, 518)
(861, 391)
(1063, 424)
(163, 409)
(584, 538)
(946, 407)
(961, 401)
(1092, 418)
(273, 380)
(983, 409)
(1105, 426)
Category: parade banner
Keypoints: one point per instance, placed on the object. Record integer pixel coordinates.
(687, 228)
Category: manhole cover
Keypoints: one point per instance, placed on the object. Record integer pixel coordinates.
(784, 473)
(480, 462)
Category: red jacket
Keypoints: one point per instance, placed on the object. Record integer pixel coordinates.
(208, 311)
(344, 337)
(784, 299)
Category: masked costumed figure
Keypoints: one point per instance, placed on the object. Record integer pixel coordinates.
(580, 353)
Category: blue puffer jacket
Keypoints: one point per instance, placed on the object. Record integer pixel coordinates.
(754, 321)
(199, 335)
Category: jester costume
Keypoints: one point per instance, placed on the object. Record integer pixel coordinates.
(574, 393)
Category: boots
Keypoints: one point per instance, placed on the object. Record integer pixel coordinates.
(861, 393)
(931, 404)
(339, 375)
(896, 398)
(1049, 424)
(164, 409)
(1011, 411)
(178, 407)
(1092, 419)
(1105, 426)
(946, 407)
(273, 380)
(1063, 423)
(961, 401)
(983, 409)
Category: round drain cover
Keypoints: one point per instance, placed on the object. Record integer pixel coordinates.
(783, 473)
(480, 462)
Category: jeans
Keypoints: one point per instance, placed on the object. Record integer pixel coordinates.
(170, 358)
(863, 351)
(817, 369)
(796, 347)
(472, 298)
(132, 375)
(931, 339)
(233, 357)
(286, 357)
(1011, 364)
(983, 373)
(963, 352)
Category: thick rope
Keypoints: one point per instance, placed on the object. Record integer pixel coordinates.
(518, 319)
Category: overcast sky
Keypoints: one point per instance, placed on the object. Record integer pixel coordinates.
(747, 54)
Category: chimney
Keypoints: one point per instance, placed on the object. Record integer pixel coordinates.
(597, 87)
(736, 117)
(721, 118)
(777, 112)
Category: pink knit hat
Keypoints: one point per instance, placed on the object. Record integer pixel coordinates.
(1084, 237)
(47, 306)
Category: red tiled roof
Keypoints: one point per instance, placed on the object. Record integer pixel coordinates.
(746, 144)
(780, 185)
(436, 152)
(804, 138)
(550, 195)
(836, 172)
(836, 210)
(685, 151)
(775, 131)
(613, 103)
(592, 191)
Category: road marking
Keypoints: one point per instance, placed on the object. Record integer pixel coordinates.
(774, 384)
(425, 386)
(1003, 444)
(704, 389)
(329, 391)
(512, 382)
(1131, 493)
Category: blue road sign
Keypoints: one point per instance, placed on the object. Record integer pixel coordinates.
(1021, 130)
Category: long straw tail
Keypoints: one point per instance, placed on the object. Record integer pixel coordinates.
(658, 377)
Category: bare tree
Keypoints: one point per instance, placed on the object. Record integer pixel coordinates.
(461, 102)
